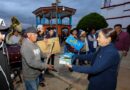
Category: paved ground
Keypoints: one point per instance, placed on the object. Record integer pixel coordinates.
(124, 74)
(79, 81)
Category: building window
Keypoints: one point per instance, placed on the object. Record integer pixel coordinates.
(107, 3)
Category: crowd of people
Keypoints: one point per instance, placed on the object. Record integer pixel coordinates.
(99, 57)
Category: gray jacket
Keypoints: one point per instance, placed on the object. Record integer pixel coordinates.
(31, 60)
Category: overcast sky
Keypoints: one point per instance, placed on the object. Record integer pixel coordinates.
(22, 9)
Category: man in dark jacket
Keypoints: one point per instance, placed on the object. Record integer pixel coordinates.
(5, 79)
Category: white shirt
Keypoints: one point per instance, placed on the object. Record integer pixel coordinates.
(93, 39)
(14, 39)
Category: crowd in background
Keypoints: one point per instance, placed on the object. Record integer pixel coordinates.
(102, 50)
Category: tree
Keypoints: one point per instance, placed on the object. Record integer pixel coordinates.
(92, 21)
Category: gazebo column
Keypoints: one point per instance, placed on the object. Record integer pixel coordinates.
(59, 19)
(37, 20)
(51, 18)
(70, 20)
(40, 21)
(43, 20)
(50, 22)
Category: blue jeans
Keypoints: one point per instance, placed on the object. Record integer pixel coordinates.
(31, 84)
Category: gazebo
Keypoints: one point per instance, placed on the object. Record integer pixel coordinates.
(47, 17)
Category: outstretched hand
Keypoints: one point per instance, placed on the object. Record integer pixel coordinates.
(49, 55)
(50, 67)
(68, 65)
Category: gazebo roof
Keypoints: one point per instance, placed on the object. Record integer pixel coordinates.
(50, 12)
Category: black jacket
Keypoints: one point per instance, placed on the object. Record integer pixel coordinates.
(5, 79)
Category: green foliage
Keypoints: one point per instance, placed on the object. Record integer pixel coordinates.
(92, 21)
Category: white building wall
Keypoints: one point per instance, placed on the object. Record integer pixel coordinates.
(118, 11)
(127, 0)
(113, 12)
(114, 2)
(126, 8)
(124, 21)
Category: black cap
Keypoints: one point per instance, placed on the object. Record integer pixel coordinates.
(31, 30)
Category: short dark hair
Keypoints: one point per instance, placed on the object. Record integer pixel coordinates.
(50, 28)
(109, 32)
(117, 25)
(74, 29)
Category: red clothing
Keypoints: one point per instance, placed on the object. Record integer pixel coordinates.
(123, 41)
